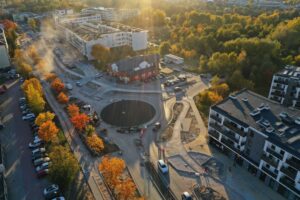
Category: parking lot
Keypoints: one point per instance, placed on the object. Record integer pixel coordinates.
(21, 177)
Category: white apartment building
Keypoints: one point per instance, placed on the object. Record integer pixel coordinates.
(262, 136)
(285, 87)
(76, 18)
(84, 36)
(63, 12)
(112, 14)
(4, 54)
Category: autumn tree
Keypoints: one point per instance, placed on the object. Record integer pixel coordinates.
(57, 85)
(112, 168)
(24, 69)
(100, 53)
(35, 83)
(89, 130)
(64, 166)
(44, 117)
(95, 143)
(126, 189)
(50, 77)
(35, 99)
(164, 48)
(73, 110)
(62, 98)
(48, 131)
(33, 54)
(32, 23)
(80, 121)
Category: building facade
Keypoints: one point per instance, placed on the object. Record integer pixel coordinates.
(4, 53)
(76, 18)
(84, 36)
(112, 14)
(262, 136)
(285, 87)
(136, 68)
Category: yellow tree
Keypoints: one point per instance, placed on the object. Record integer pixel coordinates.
(32, 23)
(35, 99)
(95, 143)
(43, 117)
(100, 53)
(24, 69)
(126, 189)
(111, 169)
(48, 131)
(35, 83)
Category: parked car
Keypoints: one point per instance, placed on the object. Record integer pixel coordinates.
(79, 84)
(39, 150)
(186, 196)
(29, 116)
(51, 191)
(40, 161)
(162, 166)
(98, 75)
(177, 89)
(42, 173)
(43, 166)
(39, 155)
(35, 144)
(59, 198)
(156, 127)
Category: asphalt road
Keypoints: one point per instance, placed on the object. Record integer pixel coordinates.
(20, 174)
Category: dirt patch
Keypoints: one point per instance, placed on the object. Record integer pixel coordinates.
(193, 132)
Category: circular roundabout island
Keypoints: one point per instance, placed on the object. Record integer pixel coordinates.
(128, 113)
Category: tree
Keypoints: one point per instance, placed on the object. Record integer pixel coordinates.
(57, 85)
(112, 168)
(64, 166)
(100, 53)
(50, 77)
(164, 48)
(33, 54)
(43, 117)
(24, 69)
(48, 131)
(32, 23)
(95, 143)
(237, 81)
(126, 189)
(73, 110)
(62, 98)
(35, 99)
(35, 83)
(80, 121)
(89, 130)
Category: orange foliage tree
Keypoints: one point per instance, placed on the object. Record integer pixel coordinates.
(50, 77)
(80, 121)
(62, 98)
(95, 143)
(126, 189)
(43, 117)
(57, 85)
(48, 131)
(73, 110)
(111, 169)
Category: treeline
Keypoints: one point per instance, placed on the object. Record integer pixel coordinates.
(244, 50)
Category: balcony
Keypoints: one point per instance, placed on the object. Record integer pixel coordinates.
(269, 160)
(228, 134)
(289, 183)
(228, 143)
(289, 171)
(278, 87)
(274, 153)
(235, 129)
(293, 162)
(281, 81)
(269, 172)
(277, 93)
(217, 119)
(213, 133)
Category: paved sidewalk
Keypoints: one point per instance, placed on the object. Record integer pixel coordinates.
(86, 161)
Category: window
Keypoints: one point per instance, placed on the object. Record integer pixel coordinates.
(281, 152)
(251, 134)
(272, 147)
(267, 166)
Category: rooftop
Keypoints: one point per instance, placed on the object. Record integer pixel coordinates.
(247, 108)
(290, 72)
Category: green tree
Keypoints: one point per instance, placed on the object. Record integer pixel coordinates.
(164, 48)
(64, 166)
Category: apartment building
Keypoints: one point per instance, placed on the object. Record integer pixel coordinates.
(285, 87)
(76, 18)
(4, 54)
(262, 136)
(84, 36)
(112, 14)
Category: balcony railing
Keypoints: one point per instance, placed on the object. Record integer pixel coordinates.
(214, 117)
(277, 87)
(293, 162)
(277, 93)
(228, 143)
(289, 171)
(228, 134)
(213, 133)
(235, 129)
(269, 160)
(281, 81)
(269, 172)
(289, 183)
(274, 153)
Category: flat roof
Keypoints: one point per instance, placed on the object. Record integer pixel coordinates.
(269, 117)
(290, 71)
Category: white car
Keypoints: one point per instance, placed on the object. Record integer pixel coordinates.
(40, 161)
(51, 189)
(39, 150)
(59, 198)
(186, 196)
(162, 166)
(35, 144)
(43, 166)
(28, 116)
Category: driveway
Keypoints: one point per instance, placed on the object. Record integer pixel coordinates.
(20, 174)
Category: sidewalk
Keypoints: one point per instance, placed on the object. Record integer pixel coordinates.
(87, 163)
